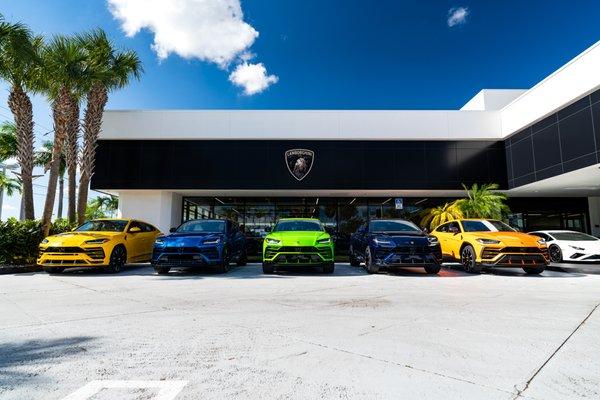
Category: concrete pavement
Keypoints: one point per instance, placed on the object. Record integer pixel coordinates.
(244, 335)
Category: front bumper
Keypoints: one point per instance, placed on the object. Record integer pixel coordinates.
(297, 255)
(408, 257)
(517, 257)
(186, 256)
(67, 257)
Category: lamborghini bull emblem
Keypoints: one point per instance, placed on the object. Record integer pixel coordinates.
(299, 162)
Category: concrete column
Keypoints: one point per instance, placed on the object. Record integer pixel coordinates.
(594, 207)
(161, 209)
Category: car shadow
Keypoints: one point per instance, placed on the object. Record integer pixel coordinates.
(15, 355)
(517, 272)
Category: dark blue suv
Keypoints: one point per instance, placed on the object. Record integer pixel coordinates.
(392, 243)
(200, 243)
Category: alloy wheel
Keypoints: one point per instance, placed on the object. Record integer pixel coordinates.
(555, 254)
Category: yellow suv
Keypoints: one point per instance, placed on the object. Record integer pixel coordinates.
(479, 243)
(106, 243)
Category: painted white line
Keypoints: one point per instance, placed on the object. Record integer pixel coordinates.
(168, 389)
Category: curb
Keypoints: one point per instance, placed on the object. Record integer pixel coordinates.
(18, 269)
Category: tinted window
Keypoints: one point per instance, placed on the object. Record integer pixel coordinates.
(392, 226)
(147, 227)
(103, 226)
(573, 236)
(202, 226)
(298, 226)
(442, 228)
(486, 226)
(453, 226)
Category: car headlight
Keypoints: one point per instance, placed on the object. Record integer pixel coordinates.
(272, 241)
(96, 241)
(577, 248)
(324, 241)
(383, 242)
(45, 241)
(433, 241)
(212, 241)
(488, 241)
(159, 242)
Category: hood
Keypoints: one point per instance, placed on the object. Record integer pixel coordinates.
(189, 239)
(588, 246)
(308, 238)
(77, 238)
(517, 239)
(403, 239)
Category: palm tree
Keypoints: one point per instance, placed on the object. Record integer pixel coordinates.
(109, 70)
(62, 74)
(432, 217)
(484, 202)
(9, 185)
(43, 158)
(101, 207)
(71, 151)
(19, 63)
(8, 141)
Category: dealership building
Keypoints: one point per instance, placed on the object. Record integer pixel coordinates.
(541, 145)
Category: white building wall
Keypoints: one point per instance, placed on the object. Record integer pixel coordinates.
(594, 205)
(159, 208)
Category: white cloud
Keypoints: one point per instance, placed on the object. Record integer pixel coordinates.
(457, 16)
(209, 30)
(253, 78)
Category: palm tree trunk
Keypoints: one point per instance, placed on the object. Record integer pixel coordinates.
(61, 195)
(71, 159)
(61, 112)
(22, 110)
(92, 124)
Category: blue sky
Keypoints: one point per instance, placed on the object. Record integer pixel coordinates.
(332, 54)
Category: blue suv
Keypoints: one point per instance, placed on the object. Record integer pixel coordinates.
(392, 243)
(200, 243)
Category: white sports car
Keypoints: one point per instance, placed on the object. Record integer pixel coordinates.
(571, 246)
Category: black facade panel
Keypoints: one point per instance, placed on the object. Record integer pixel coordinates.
(576, 135)
(596, 120)
(260, 164)
(595, 96)
(546, 147)
(573, 108)
(549, 172)
(580, 162)
(546, 122)
(517, 137)
(522, 158)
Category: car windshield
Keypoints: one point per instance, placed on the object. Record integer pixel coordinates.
(573, 236)
(298, 226)
(202, 226)
(392, 226)
(486, 226)
(105, 225)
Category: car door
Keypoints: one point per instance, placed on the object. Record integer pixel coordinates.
(454, 239)
(361, 240)
(135, 241)
(149, 234)
(238, 239)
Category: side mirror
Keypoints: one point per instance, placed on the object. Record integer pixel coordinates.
(135, 229)
(172, 230)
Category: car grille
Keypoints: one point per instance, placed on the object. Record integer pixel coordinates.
(325, 252)
(488, 253)
(209, 252)
(62, 250)
(95, 252)
(526, 250)
(522, 259)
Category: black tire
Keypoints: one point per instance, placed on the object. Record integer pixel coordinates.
(353, 260)
(433, 269)
(534, 270)
(243, 260)
(268, 269)
(162, 270)
(223, 266)
(555, 253)
(370, 266)
(329, 268)
(53, 270)
(118, 259)
(468, 259)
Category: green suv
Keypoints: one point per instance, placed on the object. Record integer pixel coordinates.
(296, 242)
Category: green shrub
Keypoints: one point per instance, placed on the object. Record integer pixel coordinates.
(19, 240)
